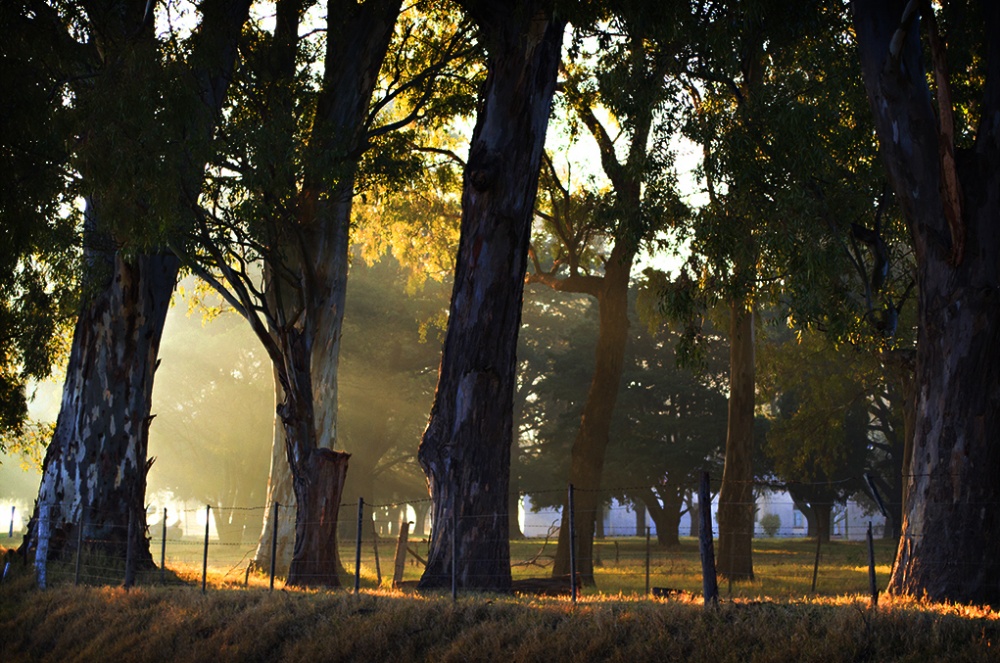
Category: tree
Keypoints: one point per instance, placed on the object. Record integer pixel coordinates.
(642, 202)
(134, 160)
(294, 217)
(669, 428)
(780, 152)
(354, 138)
(38, 293)
(942, 164)
(465, 450)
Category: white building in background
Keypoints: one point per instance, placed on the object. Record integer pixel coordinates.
(849, 521)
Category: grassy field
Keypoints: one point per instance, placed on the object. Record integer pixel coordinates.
(783, 567)
(776, 618)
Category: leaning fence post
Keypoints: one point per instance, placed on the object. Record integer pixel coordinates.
(572, 545)
(79, 548)
(163, 549)
(400, 561)
(204, 561)
(710, 585)
(871, 567)
(378, 564)
(274, 540)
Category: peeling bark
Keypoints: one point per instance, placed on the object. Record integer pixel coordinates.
(465, 450)
(306, 353)
(95, 467)
(950, 543)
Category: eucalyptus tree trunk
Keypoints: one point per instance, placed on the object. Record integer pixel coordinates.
(95, 467)
(734, 558)
(592, 437)
(465, 450)
(950, 543)
(358, 37)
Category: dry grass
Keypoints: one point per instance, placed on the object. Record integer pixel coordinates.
(179, 623)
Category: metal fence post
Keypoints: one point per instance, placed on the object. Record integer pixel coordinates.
(163, 549)
(357, 548)
(647, 560)
(274, 541)
(204, 562)
(871, 567)
(572, 546)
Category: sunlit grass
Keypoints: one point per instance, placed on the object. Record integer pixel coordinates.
(180, 623)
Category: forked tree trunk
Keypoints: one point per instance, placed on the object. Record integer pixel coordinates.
(94, 470)
(465, 450)
(950, 543)
(666, 517)
(358, 35)
(735, 553)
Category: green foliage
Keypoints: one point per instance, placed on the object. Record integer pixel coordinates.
(771, 523)
(39, 245)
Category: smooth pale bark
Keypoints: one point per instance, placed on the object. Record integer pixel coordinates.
(734, 555)
(950, 543)
(305, 350)
(465, 450)
(95, 466)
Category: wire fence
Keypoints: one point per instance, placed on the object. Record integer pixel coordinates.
(379, 546)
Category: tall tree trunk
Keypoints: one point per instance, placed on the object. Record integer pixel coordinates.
(592, 437)
(358, 37)
(950, 543)
(736, 503)
(465, 450)
(94, 470)
(95, 467)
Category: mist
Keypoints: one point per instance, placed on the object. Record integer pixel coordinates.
(213, 401)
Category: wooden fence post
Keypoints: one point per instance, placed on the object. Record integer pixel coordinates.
(400, 567)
